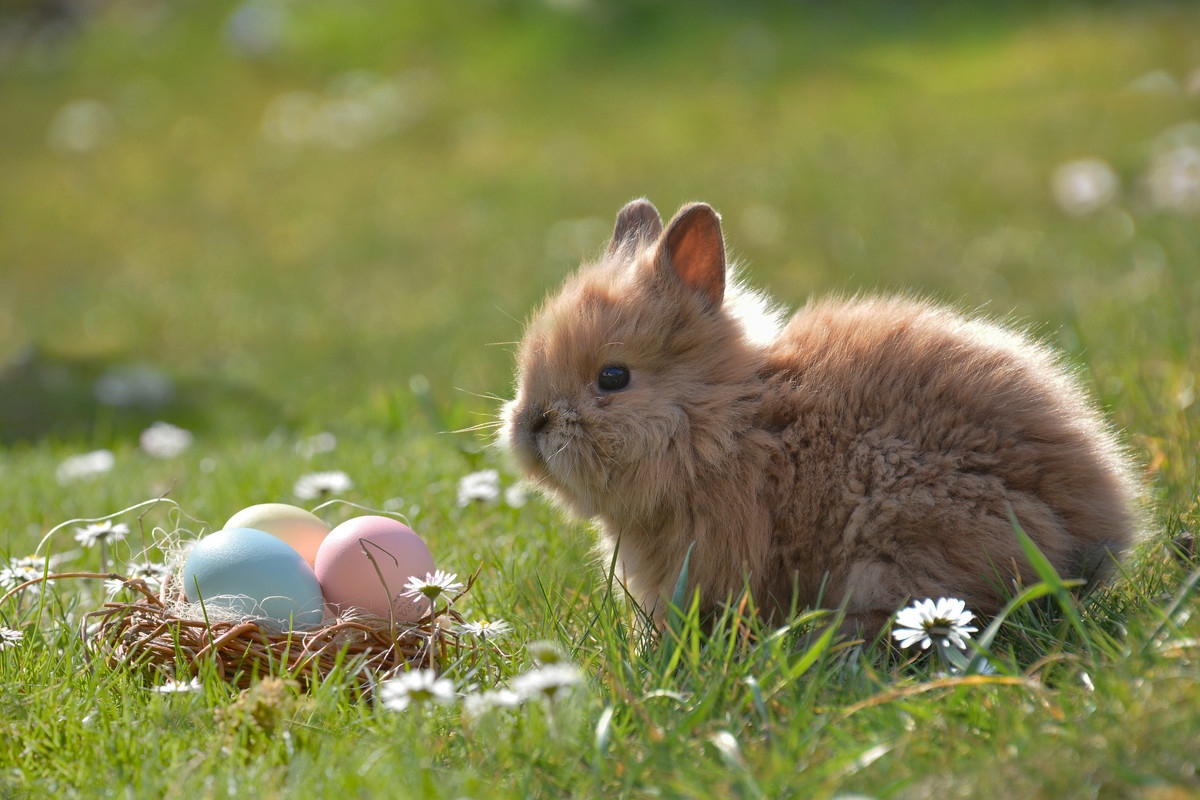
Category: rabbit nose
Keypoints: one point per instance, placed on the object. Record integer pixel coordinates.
(537, 419)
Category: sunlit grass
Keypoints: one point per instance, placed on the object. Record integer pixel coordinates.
(374, 292)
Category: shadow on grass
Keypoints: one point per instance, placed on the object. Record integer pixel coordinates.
(104, 400)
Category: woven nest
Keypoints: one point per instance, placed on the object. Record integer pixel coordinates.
(149, 635)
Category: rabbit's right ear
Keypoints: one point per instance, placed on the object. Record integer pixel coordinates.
(637, 222)
(693, 249)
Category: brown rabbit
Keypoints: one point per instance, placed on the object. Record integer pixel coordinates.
(870, 450)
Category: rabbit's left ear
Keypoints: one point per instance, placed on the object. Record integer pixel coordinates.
(693, 249)
(637, 225)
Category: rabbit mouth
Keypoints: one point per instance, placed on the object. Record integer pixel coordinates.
(554, 449)
(550, 445)
(526, 434)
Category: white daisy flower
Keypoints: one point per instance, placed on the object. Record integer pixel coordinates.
(1084, 186)
(113, 587)
(433, 585)
(173, 686)
(321, 443)
(20, 570)
(164, 440)
(926, 622)
(8, 578)
(418, 687)
(1174, 179)
(544, 652)
(134, 386)
(85, 465)
(546, 682)
(101, 532)
(153, 574)
(322, 484)
(10, 637)
(482, 486)
(485, 629)
(727, 745)
(515, 496)
(81, 126)
(476, 705)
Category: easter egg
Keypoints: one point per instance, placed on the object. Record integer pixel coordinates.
(253, 575)
(299, 528)
(365, 562)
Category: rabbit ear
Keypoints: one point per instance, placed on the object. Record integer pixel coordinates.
(637, 221)
(693, 248)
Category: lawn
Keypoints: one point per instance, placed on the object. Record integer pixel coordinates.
(308, 234)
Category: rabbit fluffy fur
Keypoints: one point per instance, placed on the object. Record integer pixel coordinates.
(870, 451)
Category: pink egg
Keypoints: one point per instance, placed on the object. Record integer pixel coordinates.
(364, 563)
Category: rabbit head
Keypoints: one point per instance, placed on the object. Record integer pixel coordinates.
(636, 378)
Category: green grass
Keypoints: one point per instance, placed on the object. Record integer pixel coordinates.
(286, 290)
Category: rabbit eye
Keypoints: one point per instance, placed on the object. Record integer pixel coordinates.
(612, 379)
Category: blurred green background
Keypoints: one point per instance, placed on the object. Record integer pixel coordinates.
(309, 231)
(240, 216)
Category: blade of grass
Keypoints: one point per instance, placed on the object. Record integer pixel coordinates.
(1172, 609)
(677, 617)
(983, 642)
(1059, 588)
(680, 594)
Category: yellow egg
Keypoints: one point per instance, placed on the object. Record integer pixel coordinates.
(301, 529)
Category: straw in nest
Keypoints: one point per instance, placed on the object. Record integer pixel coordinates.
(150, 634)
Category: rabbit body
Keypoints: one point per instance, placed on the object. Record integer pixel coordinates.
(871, 451)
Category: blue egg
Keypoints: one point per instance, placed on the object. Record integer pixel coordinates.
(257, 576)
